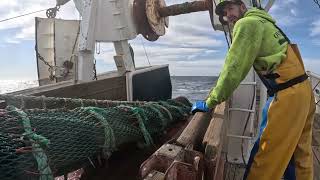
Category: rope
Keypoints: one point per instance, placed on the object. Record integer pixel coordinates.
(7, 19)
(139, 113)
(38, 142)
(165, 110)
(166, 104)
(162, 118)
(110, 140)
(145, 52)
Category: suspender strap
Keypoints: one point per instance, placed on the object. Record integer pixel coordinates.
(283, 34)
(272, 76)
(282, 86)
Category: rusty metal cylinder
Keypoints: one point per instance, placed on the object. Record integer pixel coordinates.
(184, 8)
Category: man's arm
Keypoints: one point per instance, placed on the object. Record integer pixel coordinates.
(247, 38)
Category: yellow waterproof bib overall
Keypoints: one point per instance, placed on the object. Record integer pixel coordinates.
(286, 129)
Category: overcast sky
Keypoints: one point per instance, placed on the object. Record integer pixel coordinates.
(190, 46)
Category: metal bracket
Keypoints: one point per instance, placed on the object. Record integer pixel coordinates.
(173, 162)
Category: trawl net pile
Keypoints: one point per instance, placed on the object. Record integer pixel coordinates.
(44, 143)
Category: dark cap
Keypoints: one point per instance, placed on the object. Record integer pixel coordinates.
(222, 4)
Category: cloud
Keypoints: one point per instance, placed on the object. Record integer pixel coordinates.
(287, 13)
(182, 60)
(315, 32)
(315, 28)
(23, 28)
(312, 65)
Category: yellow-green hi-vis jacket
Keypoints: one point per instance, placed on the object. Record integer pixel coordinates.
(283, 148)
(254, 43)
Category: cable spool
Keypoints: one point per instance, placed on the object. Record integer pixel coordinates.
(141, 20)
(152, 16)
(157, 23)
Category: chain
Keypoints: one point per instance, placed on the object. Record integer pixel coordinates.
(95, 77)
(317, 2)
(52, 12)
(67, 65)
(51, 68)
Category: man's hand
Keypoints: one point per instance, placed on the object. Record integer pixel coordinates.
(199, 106)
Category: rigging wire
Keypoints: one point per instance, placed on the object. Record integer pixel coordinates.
(225, 32)
(7, 19)
(226, 36)
(230, 34)
(145, 52)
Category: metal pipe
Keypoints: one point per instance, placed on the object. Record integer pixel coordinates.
(184, 8)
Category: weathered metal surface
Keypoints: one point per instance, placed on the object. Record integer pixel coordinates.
(161, 159)
(152, 16)
(155, 175)
(141, 20)
(175, 163)
(185, 8)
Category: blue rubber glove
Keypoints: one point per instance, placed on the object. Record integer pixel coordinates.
(199, 106)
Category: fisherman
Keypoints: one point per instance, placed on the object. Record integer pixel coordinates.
(286, 129)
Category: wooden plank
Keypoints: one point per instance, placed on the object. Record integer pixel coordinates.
(212, 139)
(220, 168)
(111, 88)
(209, 169)
(101, 89)
(195, 130)
(213, 146)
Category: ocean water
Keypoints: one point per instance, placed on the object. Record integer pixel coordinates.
(7, 86)
(193, 87)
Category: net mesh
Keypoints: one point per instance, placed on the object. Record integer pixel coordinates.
(45, 143)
